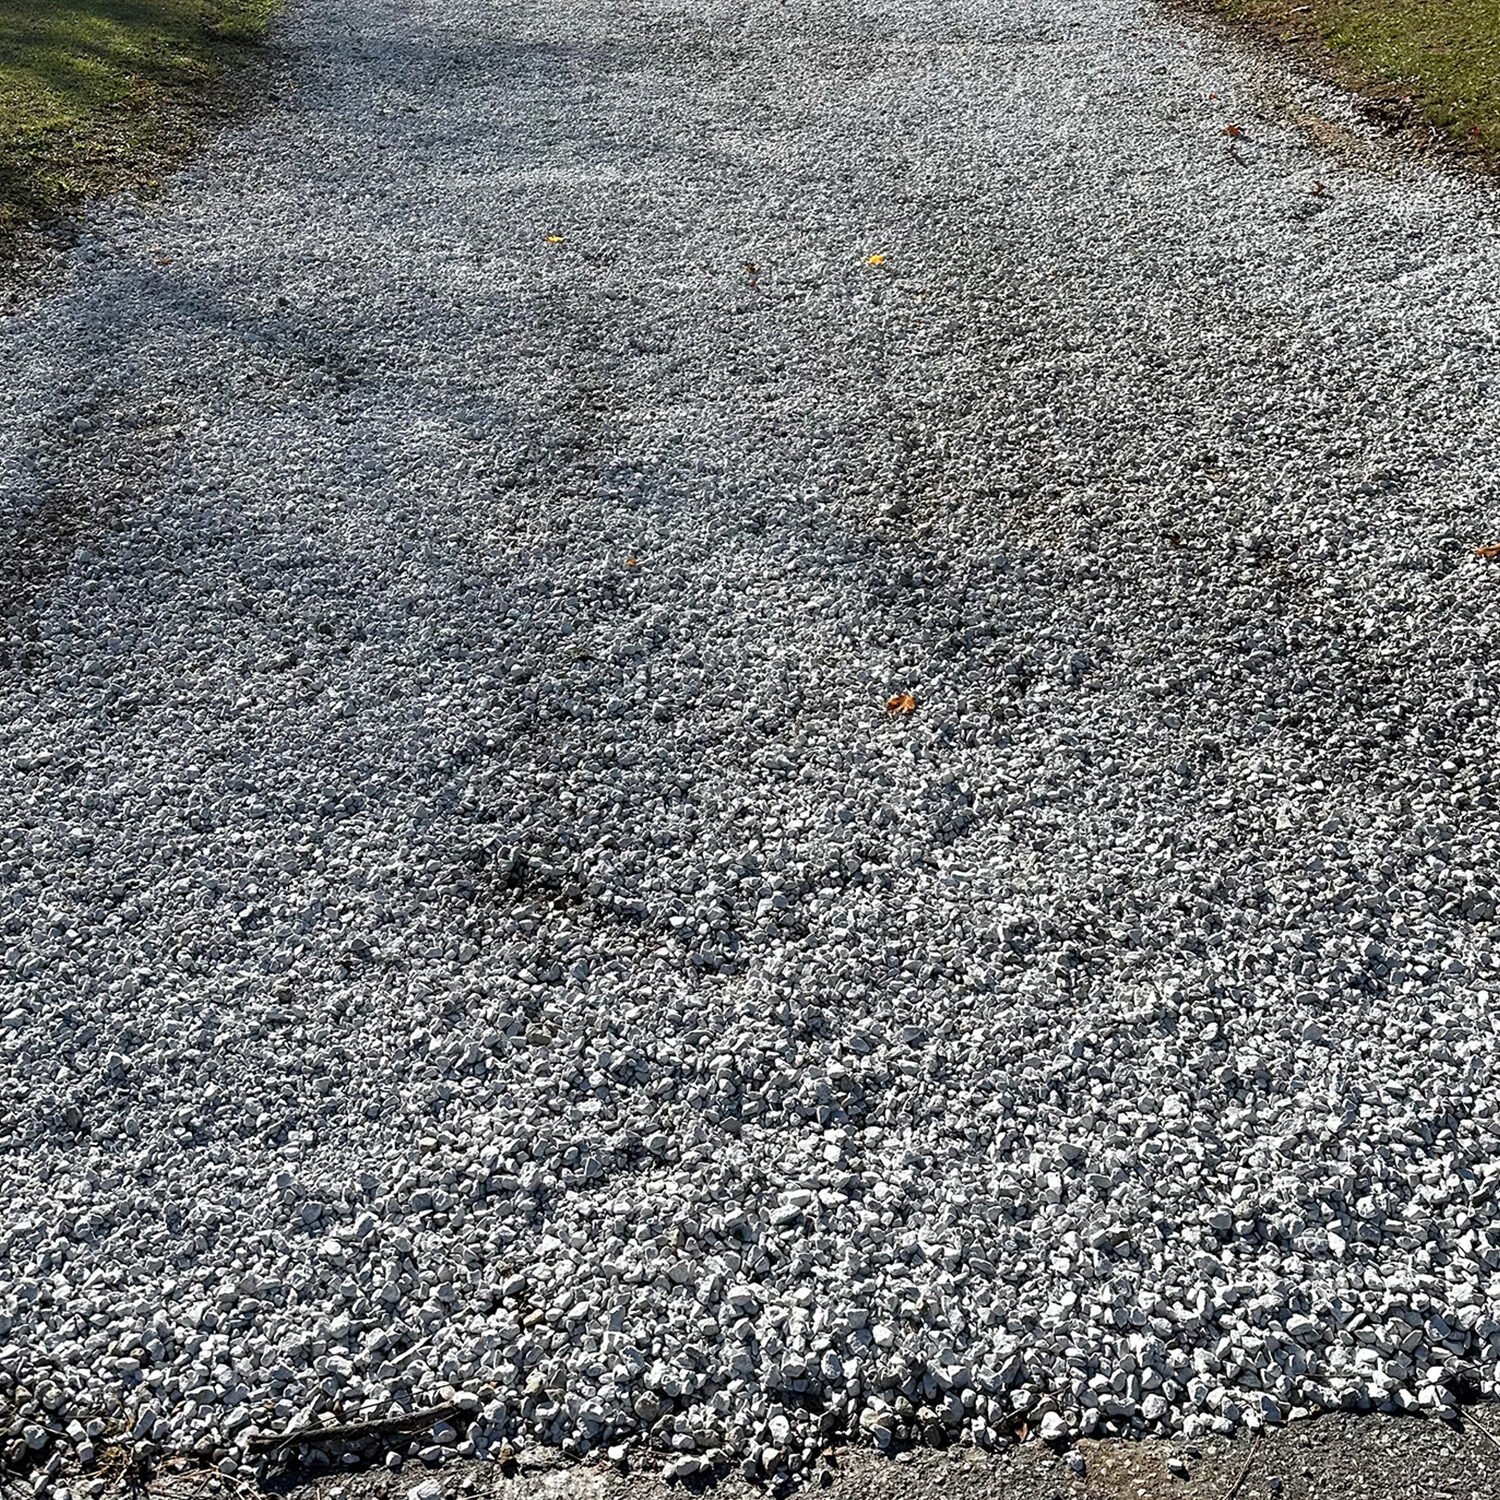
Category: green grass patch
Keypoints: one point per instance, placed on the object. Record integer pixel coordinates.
(95, 94)
(1432, 62)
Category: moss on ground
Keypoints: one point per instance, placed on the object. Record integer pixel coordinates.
(95, 94)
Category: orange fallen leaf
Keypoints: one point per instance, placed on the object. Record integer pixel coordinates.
(900, 703)
(631, 562)
(1489, 551)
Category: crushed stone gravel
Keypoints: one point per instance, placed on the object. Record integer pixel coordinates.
(476, 935)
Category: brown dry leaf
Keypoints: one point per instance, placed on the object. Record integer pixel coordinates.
(631, 562)
(1489, 551)
(901, 703)
(1233, 131)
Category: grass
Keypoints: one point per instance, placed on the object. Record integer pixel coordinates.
(1420, 62)
(95, 94)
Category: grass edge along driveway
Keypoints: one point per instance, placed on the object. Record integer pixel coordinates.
(98, 94)
(1418, 63)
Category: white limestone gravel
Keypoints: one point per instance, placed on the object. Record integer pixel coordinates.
(474, 934)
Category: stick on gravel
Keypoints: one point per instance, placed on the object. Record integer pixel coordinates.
(465, 893)
(1244, 1469)
(354, 1432)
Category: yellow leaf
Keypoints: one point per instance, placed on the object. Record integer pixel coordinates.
(554, 239)
(875, 260)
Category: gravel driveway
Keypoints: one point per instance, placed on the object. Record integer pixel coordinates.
(733, 722)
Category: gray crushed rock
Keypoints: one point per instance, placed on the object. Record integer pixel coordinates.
(476, 936)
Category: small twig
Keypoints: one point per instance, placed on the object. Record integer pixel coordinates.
(1234, 1489)
(190, 1483)
(198, 1482)
(417, 1348)
(1470, 1417)
(266, 1442)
